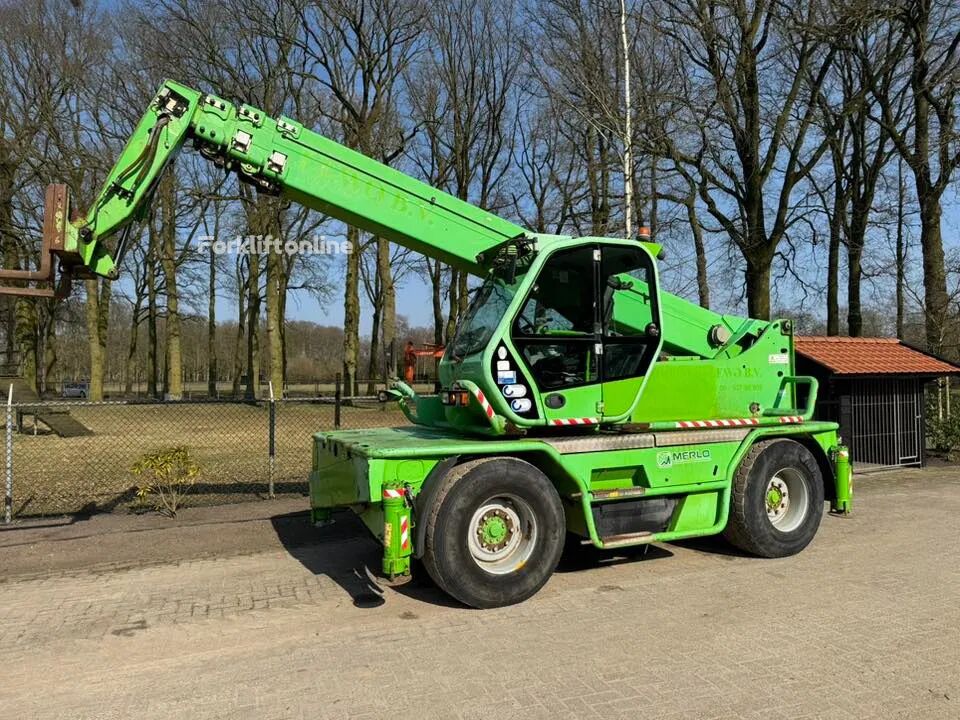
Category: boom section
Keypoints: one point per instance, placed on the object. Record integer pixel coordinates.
(282, 157)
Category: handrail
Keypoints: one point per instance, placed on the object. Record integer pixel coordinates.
(796, 380)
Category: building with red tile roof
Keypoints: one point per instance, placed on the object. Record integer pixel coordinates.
(875, 389)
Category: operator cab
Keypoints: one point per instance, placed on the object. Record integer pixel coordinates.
(572, 341)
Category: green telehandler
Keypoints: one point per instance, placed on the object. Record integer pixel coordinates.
(579, 403)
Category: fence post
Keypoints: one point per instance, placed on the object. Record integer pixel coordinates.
(272, 450)
(8, 496)
(336, 403)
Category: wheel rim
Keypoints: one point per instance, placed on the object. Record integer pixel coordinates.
(786, 499)
(502, 534)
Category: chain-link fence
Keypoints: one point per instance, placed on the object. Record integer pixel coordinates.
(76, 457)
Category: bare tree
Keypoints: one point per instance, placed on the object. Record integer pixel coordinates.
(928, 138)
(757, 71)
(358, 52)
(463, 99)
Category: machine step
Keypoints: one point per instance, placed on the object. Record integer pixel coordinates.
(637, 538)
(607, 495)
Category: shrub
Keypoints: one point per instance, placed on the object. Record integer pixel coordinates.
(169, 474)
(944, 434)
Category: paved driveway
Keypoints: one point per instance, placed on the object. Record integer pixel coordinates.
(233, 613)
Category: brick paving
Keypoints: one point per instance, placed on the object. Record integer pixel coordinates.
(864, 624)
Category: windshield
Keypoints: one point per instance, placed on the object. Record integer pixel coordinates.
(487, 309)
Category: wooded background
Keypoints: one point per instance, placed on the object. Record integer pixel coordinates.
(795, 158)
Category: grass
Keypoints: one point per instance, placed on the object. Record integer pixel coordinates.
(54, 475)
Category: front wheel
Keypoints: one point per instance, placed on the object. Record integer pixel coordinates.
(777, 499)
(494, 533)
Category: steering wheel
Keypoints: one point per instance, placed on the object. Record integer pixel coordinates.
(533, 328)
(526, 327)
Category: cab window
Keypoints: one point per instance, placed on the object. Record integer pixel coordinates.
(628, 312)
(556, 330)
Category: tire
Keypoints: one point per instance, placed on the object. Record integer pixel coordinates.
(494, 533)
(777, 500)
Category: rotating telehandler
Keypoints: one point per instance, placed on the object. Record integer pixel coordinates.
(580, 403)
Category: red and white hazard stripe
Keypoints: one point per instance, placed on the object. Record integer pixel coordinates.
(484, 403)
(405, 532)
(733, 422)
(575, 421)
(391, 493)
(792, 419)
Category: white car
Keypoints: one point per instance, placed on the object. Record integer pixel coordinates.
(76, 389)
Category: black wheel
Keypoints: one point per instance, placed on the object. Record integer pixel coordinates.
(777, 499)
(494, 533)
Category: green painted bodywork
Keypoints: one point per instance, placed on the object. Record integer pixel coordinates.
(351, 467)
(316, 172)
(712, 372)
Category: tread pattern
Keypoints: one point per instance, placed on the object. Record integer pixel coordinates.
(736, 530)
(449, 480)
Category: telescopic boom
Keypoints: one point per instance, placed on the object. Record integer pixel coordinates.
(278, 156)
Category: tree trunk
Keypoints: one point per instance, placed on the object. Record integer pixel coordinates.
(463, 296)
(212, 325)
(274, 337)
(253, 328)
(388, 318)
(373, 361)
(859, 217)
(152, 339)
(238, 344)
(97, 318)
(436, 281)
(758, 286)
(8, 247)
(854, 273)
(27, 341)
(282, 284)
(452, 309)
(934, 276)
(10, 321)
(703, 282)
(351, 315)
(929, 191)
(153, 344)
(50, 348)
(173, 369)
(833, 256)
(901, 259)
(131, 364)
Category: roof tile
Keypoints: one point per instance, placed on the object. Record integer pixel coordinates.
(871, 356)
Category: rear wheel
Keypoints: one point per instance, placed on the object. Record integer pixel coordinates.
(777, 499)
(494, 533)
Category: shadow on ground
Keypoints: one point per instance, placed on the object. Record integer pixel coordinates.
(346, 553)
(712, 545)
(577, 558)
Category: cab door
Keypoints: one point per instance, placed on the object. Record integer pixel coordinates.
(557, 334)
(629, 324)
